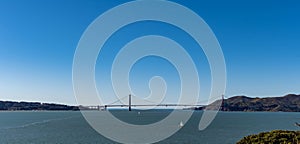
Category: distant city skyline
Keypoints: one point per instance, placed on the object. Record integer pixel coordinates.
(259, 39)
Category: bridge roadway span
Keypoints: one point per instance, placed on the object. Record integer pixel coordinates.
(104, 107)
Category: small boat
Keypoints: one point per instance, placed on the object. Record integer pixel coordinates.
(297, 124)
(181, 124)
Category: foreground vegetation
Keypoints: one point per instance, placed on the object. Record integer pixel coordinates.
(273, 137)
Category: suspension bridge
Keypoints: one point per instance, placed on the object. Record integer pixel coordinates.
(130, 105)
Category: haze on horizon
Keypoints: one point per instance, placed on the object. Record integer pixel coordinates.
(259, 39)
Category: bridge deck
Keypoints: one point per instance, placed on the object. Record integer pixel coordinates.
(146, 105)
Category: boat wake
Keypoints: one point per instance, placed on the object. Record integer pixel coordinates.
(36, 123)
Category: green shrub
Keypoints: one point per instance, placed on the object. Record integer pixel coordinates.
(273, 137)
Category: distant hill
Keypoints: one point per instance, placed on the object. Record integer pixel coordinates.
(12, 106)
(287, 103)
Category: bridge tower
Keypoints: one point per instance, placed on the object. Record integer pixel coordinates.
(129, 103)
(222, 104)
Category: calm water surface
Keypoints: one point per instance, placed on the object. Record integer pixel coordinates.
(71, 128)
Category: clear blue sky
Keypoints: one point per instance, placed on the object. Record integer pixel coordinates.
(259, 39)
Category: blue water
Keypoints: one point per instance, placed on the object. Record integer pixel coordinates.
(70, 127)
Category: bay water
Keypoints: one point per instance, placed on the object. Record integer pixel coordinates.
(69, 127)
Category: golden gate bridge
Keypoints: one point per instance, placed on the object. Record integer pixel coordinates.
(130, 105)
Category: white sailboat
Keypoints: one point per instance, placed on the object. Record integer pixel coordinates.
(181, 124)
